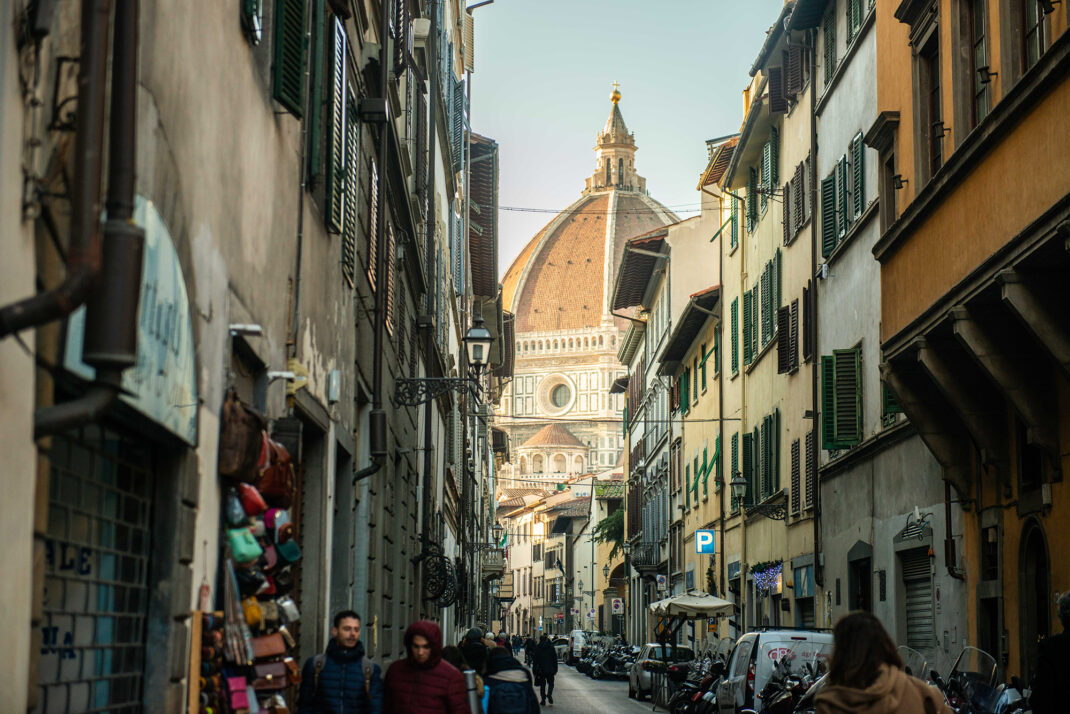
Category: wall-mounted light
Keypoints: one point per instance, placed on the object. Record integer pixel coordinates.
(898, 181)
(986, 74)
(1048, 6)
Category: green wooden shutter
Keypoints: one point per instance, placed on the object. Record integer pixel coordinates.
(687, 486)
(752, 195)
(858, 194)
(843, 208)
(735, 456)
(889, 404)
(694, 484)
(336, 133)
(774, 158)
(848, 365)
(748, 464)
(288, 81)
(748, 309)
(735, 335)
(766, 172)
(828, 402)
(735, 222)
(829, 31)
(349, 222)
(764, 460)
(702, 366)
(776, 450)
(624, 419)
(685, 391)
(316, 101)
(828, 215)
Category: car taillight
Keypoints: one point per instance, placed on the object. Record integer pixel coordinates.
(750, 677)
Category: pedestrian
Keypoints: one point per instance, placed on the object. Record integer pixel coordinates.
(454, 656)
(424, 682)
(509, 688)
(866, 674)
(517, 644)
(529, 650)
(341, 679)
(545, 668)
(475, 651)
(1053, 665)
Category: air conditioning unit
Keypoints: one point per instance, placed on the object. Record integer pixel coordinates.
(421, 28)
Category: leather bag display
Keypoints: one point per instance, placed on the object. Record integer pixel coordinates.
(243, 546)
(271, 675)
(251, 501)
(269, 646)
(277, 482)
(240, 436)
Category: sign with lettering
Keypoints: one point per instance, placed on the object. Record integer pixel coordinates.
(704, 543)
(162, 384)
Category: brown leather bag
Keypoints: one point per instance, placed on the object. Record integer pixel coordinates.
(277, 482)
(240, 436)
(269, 646)
(271, 675)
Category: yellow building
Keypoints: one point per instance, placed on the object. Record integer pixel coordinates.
(973, 100)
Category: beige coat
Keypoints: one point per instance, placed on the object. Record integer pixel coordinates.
(894, 692)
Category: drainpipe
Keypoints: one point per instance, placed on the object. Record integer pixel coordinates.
(85, 249)
(819, 575)
(111, 319)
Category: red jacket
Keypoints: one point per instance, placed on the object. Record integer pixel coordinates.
(435, 687)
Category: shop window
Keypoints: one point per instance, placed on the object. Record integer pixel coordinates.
(860, 584)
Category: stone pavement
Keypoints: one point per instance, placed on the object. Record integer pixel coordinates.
(576, 693)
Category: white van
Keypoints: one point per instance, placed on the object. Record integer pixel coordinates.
(752, 660)
(577, 642)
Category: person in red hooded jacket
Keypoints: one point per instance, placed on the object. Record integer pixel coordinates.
(423, 681)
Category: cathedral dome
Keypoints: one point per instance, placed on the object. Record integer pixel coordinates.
(563, 278)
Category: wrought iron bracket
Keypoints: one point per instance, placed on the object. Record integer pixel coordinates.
(412, 392)
(774, 511)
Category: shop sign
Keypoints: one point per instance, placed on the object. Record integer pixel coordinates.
(162, 384)
(704, 543)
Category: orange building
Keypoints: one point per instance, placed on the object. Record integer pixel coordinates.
(973, 100)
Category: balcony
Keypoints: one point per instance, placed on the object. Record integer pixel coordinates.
(645, 557)
(493, 564)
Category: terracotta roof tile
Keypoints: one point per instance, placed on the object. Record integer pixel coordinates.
(553, 435)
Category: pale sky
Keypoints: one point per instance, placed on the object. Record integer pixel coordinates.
(544, 70)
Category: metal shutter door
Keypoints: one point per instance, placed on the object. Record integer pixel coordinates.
(917, 580)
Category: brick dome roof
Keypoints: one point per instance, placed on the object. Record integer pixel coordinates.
(553, 435)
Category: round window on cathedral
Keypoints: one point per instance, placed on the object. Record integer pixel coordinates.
(560, 395)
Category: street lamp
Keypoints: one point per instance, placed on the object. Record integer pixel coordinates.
(414, 391)
(497, 530)
(739, 487)
(477, 343)
(775, 511)
(605, 572)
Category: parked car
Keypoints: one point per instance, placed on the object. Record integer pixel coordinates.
(653, 653)
(560, 646)
(754, 657)
(578, 641)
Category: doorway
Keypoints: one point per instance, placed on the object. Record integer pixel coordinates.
(1034, 595)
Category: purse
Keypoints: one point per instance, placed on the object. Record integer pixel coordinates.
(236, 693)
(277, 481)
(243, 546)
(251, 500)
(271, 675)
(251, 581)
(254, 615)
(289, 551)
(239, 439)
(288, 609)
(268, 646)
(232, 510)
(270, 559)
(293, 671)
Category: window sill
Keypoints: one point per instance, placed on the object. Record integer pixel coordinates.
(859, 224)
(761, 353)
(803, 227)
(841, 68)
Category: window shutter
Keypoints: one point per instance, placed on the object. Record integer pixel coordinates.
(735, 221)
(765, 465)
(401, 35)
(694, 378)
(748, 459)
(337, 131)
(828, 402)
(848, 364)
(402, 321)
(706, 466)
(807, 336)
(889, 403)
(776, 450)
(685, 390)
(843, 207)
(763, 310)
(735, 456)
(777, 296)
(763, 188)
(458, 126)
(795, 70)
(786, 215)
(811, 467)
(390, 278)
(793, 331)
(798, 196)
(774, 159)
(414, 336)
(288, 69)
(349, 209)
(795, 505)
(858, 194)
(421, 150)
(828, 215)
(373, 223)
(783, 342)
(687, 486)
(752, 196)
(316, 101)
(829, 32)
(735, 335)
(778, 101)
(748, 309)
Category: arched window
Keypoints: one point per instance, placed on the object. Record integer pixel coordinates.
(523, 464)
(577, 465)
(620, 171)
(536, 463)
(608, 172)
(560, 464)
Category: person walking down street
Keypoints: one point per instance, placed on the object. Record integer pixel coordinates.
(341, 680)
(518, 643)
(529, 650)
(423, 681)
(509, 688)
(1053, 666)
(453, 655)
(866, 674)
(475, 650)
(545, 668)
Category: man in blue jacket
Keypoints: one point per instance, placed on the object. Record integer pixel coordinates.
(341, 680)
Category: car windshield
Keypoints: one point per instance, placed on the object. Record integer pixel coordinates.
(670, 653)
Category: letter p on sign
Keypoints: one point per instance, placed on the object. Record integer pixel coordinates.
(704, 542)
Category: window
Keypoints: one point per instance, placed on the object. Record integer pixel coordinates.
(854, 19)
(373, 222)
(560, 395)
(620, 171)
(889, 405)
(702, 367)
(288, 68)
(858, 176)
(752, 199)
(748, 310)
(841, 399)
(811, 467)
(932, 115)
(747, 471)
(735, 335)
(734, 235)
(808, 328)
(694, 380)
(978, 59)
(685, 390)
(252, 20)
(787, 338)
(1032, 33)
(796, 504)
(829, 38)
(887, 189)
(735, 458)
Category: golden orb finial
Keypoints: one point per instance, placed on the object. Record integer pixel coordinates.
(615, 96)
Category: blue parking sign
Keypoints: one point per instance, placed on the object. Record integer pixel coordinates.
(704, 543)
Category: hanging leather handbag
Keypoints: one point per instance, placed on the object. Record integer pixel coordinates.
(233, 510)
(270, 614)
(270, 675)
(254, 615)
(293, 673)
(251, 500)
(236, 693)
(239, 439)
(243, 546)
(251, 581)
(277, 481)
(289, 551)
(269, 646)
(270, 560)
(275, 518)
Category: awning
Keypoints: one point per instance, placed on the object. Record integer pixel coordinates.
(642, 255)
(693, 604)
(692, 319)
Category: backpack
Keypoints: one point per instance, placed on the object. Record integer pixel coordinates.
(512, 698)
(320, 661)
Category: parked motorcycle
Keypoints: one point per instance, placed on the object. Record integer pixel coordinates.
(974, 686)
(613, 662)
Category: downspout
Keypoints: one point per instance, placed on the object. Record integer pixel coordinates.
(819, 575)
(84, 254)
(111, 319)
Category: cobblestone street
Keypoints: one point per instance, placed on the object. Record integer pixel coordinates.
(576, 693)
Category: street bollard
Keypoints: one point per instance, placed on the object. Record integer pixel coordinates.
(474, 702)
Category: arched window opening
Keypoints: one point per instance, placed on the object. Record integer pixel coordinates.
(608, 173)
(620, 171)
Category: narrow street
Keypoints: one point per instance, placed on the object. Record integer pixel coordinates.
(576, 693)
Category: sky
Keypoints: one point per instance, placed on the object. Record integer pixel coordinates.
(544, 70)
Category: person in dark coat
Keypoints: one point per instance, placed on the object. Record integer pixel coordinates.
(475, 650)
(1053, 666)
(545, 667)
(509, 688)
(529, 650)
(346, 681)
(423, 681)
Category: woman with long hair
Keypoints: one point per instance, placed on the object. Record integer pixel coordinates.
(866, 674)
